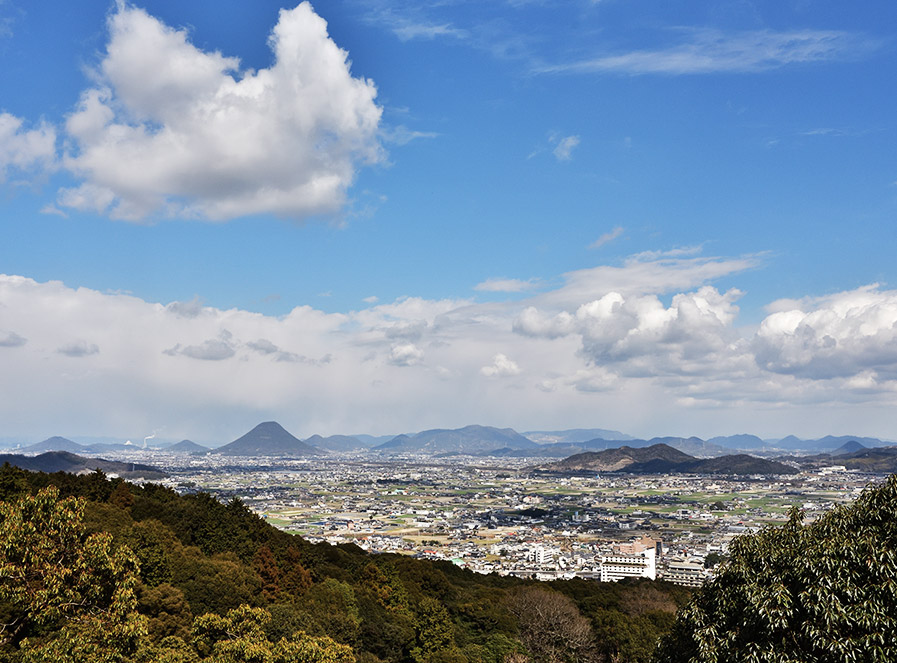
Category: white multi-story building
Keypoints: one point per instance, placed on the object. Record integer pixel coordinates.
(690, 573)
(539, 556)
(634, 565)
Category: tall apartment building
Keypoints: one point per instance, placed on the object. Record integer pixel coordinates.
(539, 556)
(684, 572)
(641, 564)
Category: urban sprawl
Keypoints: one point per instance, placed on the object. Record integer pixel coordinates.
(499, 516)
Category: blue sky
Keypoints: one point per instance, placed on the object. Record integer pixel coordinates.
(381, 216)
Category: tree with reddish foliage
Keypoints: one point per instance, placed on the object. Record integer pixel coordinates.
(294, 578)
(265, 565)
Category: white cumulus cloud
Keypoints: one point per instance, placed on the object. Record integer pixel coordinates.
(847, 334)
(405, 354)
(170, 129)
(25, 149)
(601, 347)
(501, 367)
(641, 336)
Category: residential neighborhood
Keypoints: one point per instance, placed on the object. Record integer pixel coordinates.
(495, 515)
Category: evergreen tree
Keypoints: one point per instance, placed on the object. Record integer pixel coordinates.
(435, 639)
(821, 593)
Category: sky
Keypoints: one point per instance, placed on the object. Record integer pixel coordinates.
(663, 217)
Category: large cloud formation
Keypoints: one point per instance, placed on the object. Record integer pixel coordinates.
(609, 347)
(843, 335)
(639, 336)
(172, 130)
(644, 358)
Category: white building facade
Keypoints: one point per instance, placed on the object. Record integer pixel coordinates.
(635, 565)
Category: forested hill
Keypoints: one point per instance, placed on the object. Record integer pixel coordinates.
(148, 575)
(663, 459)
(63, 461)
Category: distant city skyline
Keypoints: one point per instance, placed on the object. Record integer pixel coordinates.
(377, 216)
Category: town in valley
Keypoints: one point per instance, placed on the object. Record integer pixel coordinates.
(646, 510)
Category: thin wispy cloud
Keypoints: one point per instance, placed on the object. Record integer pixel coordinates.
(606, 238)
(563, 151)
(713, 51)
(677, 252)
(410, 22)
(473, 28)
(824, 131)
(561, 147)
(506, 285)
(6, 23)
(53, 210)
(402, 135)
(408, 30)
(837, 132)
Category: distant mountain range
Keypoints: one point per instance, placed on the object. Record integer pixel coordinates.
(467, 440)
(574, 435)
(849, 447)
(664, 459)
(372, 440)
(188, 447)
(882, 460)
(337, 443)
(271, 439)
(63, 461)
(824, 444)
(722, 446)
(57, 443)
(268, 439)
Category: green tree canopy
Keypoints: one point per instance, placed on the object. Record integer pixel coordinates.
(64, 595)
(819, 593)
(239, 637)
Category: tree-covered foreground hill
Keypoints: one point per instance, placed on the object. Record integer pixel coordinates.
(821, 593)
(99, 570)
(95, 570)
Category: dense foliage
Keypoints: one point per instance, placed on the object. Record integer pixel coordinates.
(65, 596)
(820, 593)
(100, 570)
